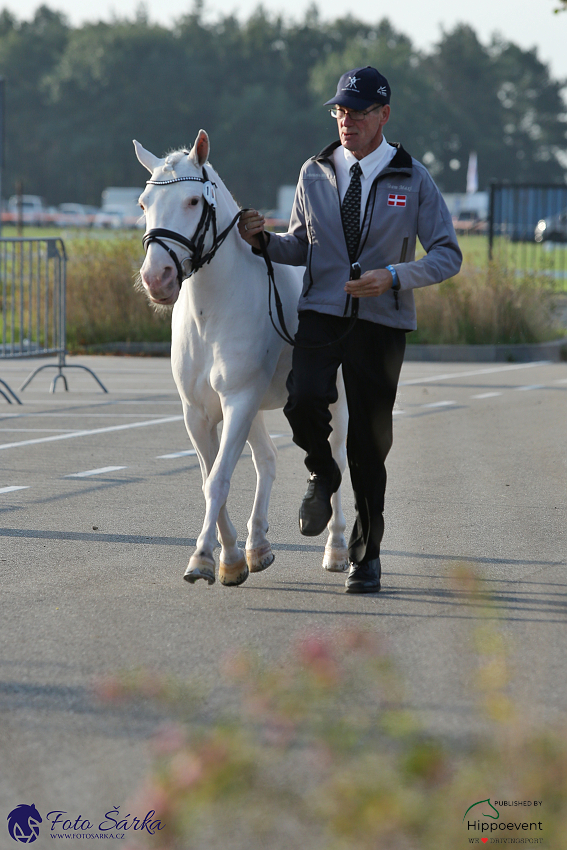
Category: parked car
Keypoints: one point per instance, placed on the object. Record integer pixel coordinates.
(30, 208)
(110, 217)
(553, 229)
(123, 200)
(469, 222)
(74, 215)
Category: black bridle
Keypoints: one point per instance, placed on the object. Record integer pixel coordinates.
(196, 244)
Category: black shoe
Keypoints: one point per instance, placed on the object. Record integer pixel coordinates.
(364, 578)
(315, 511)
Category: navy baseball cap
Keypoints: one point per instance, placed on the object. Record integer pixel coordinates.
(361, 88)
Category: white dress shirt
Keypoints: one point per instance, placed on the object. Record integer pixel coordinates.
(371, 165)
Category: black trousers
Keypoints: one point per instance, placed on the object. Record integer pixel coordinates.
(371, 356)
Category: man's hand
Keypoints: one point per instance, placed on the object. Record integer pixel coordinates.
(370, 284)
(250, 224)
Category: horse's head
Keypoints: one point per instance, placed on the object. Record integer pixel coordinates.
(172, 201)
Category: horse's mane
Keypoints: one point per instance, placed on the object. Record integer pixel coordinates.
(173, 157)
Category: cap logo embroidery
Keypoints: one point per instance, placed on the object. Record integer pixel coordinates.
(352, 81)
(397, 200)
(382, 91)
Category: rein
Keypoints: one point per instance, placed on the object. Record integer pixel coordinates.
(355, 271)
(196, 244)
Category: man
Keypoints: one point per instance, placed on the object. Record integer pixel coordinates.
(360, 205)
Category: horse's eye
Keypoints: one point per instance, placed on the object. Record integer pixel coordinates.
(194, 202)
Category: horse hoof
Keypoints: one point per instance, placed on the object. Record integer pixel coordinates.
(335, 560)
(231, 575)
(260, 558)
(200, 567)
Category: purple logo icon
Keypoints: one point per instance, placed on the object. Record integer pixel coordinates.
(23, 823)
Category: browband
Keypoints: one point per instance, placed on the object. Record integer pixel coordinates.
(176, 180)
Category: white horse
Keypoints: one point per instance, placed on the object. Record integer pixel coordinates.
(228, 362)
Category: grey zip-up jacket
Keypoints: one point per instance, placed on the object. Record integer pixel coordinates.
(403, 204)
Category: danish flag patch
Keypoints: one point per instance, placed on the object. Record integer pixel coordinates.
(397, 200)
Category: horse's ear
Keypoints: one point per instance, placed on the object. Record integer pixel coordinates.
(147, 159)
(201, 148)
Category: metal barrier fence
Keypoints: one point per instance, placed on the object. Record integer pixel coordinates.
(33, 292)
(527, 229)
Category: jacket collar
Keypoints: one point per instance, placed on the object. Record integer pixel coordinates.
(401, 160)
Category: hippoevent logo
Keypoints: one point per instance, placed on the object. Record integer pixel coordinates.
(23, 823)
(483, 817)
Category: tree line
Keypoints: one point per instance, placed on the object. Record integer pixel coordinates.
(77, 96)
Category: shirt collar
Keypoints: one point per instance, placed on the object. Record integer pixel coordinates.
(374, 160)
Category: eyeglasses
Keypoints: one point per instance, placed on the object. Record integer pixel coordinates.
(339, 112)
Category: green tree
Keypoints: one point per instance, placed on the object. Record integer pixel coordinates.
(28, 51)
(114, 82)
(498, 101)
(77, 96)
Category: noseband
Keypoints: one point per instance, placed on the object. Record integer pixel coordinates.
(196, 244)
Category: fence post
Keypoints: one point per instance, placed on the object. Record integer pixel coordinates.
(491, 221)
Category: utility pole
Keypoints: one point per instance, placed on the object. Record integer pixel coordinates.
(20, 207)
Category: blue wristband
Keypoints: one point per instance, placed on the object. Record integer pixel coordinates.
(395, 278)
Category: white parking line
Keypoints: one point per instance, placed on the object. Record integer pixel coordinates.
(74, 434)
(187, 452)
(438, 404)
(89, 472)
(11, 489)
(486, 395)
(447, 376)
(38, 430)
(177, 454)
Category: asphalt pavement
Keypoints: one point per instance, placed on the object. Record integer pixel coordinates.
(101, 504)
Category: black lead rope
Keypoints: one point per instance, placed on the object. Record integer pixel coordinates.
(355, 272)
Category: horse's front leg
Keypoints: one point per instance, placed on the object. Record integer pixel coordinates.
(233, 570)
(259, 553)
(202, 431)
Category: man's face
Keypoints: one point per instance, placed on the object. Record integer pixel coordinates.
(363, 136)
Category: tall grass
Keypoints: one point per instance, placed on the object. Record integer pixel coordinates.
(102, 305)
(487, 306)
(483, 304)
(319, 750)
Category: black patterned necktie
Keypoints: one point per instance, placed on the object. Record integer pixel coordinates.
(350, 211)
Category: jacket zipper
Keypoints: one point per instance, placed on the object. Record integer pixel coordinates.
(402, 260)
(310, 230)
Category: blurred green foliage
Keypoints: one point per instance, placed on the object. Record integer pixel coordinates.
(318, 749)
(102, 303)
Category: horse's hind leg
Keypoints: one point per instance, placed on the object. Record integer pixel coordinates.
(259, 553)
(335, 559)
